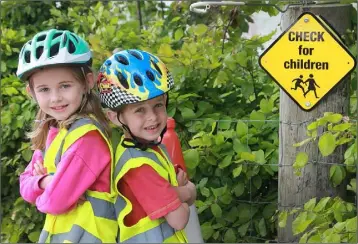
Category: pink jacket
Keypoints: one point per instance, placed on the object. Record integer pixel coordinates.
(85, 165)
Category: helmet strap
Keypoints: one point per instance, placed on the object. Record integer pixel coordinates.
(134, 142)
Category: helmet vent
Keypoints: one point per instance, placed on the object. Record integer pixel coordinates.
(122, 80)
(135, 54)
(74, 37)
(138, 80)
(71, 47)
(156, 67)
(56, 35)
(27, 56)
(150, 75)
(39, 51)
(54, 49)
(121, 59)
(41, 38)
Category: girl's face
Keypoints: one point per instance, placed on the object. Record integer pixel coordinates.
(57, 91)
(146, 120)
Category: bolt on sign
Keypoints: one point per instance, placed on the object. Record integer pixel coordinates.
(307, 60)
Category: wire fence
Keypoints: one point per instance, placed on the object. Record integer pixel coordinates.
(270, 190)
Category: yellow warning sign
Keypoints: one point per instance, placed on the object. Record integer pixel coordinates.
(307, 60)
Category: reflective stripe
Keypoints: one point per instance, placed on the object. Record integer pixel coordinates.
(131, 153)
(102, 208)
(119, 205)
(43, 236)
(78, 123)
(156, 235)
(76, 235)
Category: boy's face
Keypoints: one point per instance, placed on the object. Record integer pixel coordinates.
(146, 120)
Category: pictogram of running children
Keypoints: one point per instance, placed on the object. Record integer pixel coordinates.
(311, 85)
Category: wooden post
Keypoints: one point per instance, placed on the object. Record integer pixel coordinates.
(314, 180)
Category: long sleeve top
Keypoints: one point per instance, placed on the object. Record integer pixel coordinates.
(84, 166)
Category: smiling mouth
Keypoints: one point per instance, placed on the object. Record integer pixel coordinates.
(59, 107)
(152, 127)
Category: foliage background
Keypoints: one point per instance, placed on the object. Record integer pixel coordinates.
(225, 106)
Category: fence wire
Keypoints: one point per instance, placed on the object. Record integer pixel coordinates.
(319, 161)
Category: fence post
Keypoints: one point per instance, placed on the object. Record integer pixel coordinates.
(314, 180)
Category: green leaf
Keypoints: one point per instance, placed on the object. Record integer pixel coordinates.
(258, 119)
(237, 171)
(248, 156)
(3, 66)
(259, 156)
(342, 127)
(301, 223)
(200, 29)
(241, 128)
(226, 162)
(262, 227)
(205, 191)
(302, 142)
(310, 204)
(336, 174)
(301, 160)
(331, 238)
(266, 106)
(351, 224)
(34, 236)
(165, 51)
(334, 118)
(191, 158)
(26, 154)
(282, 219)
(321, 204)
(257, 181)
(241, 58)
(175, 19)
(239, 147)
(327, 144)
(216, 210)
(243, 229)
(187, 113)
(315, 239)
(207, 230)
(230, 236)
(178, 34)
(239, 189)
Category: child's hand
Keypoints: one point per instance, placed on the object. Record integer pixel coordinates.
(182, 177)
(39, 168)
(45, 181)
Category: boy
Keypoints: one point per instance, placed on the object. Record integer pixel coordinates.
(153, 200)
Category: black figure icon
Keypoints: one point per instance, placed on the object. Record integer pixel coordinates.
(298, 83)
(311, 86)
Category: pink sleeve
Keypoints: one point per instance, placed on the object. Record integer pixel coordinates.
(29, 184)
(79, 168)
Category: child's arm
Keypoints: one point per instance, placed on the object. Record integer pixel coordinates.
(79, 168)
(29, 183)
(156, 196)
(179, 218)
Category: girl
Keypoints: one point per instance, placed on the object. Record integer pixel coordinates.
(153, 201)
(69, 176)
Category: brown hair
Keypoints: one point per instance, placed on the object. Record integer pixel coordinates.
(90, 105)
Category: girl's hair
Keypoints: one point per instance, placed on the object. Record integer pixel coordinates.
(90, 105)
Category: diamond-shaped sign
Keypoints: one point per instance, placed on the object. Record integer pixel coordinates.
(307, 60)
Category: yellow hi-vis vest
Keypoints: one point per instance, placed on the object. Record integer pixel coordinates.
(94, 221)
(146, 230)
